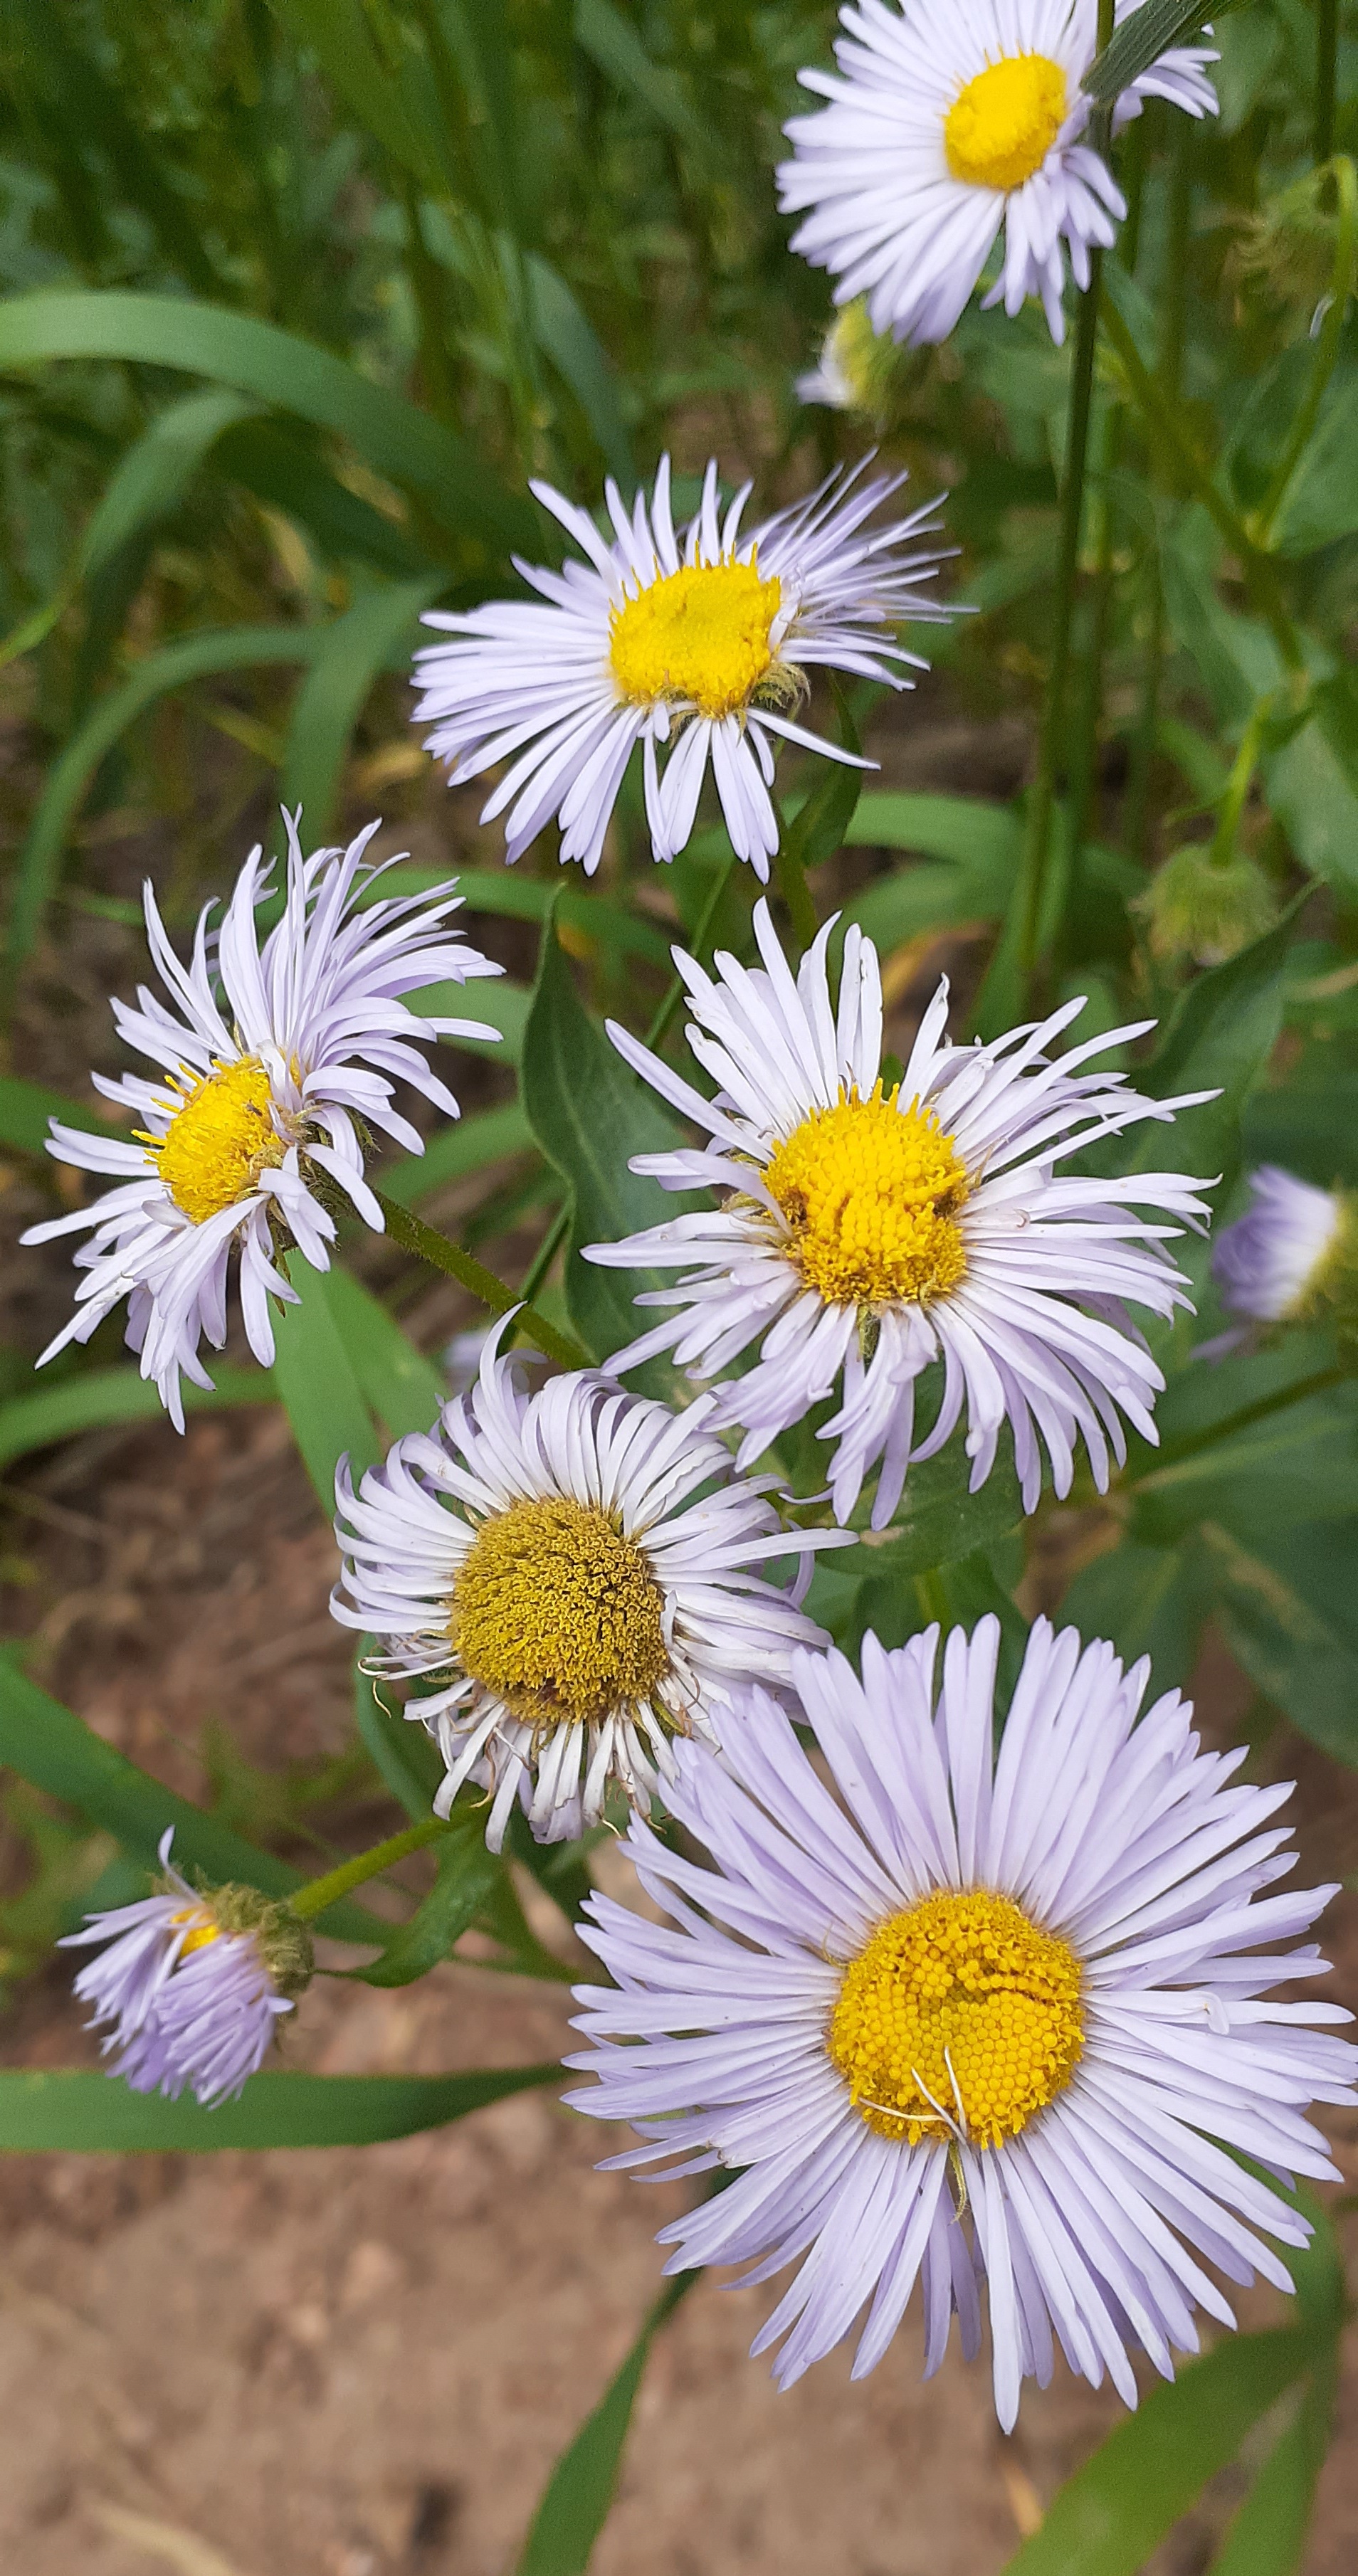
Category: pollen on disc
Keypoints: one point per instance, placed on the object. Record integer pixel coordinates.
(556, 1611)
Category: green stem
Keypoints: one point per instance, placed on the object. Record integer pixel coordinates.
(1136, 824)
(1084, 759)
(795, 891)
(1243, 768)
(1174, 1452)
(1327, 348)
(1161, 414)
(706, 917)
(1037, 836)
(1327, 39)
(321, 1892)
(415, 1236)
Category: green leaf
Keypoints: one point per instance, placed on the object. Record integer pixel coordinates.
(1309, 1126)
(499, 1003)
(1219, 1036)
(391, 109)
(1285, 1606)
(99, 1399)
(403, 1751)
(1296, 1465)
(1321, 501)
(1312, 787)
(278, 465)
(174, 666)
(1267, 2537)
(565, 333)
(80, 2111)
(403, 1388)
(962, 829)
(49, 1745)
(314, 1373)
(580, 2491)
(611, 41)
(153, 474)
(1139, 42)
(464, 1146)
(26, 1107)
(1106, 2520)
(352, 652)
(467, 1877)
(1146, 1601)
(589, 1115)
(409, 447)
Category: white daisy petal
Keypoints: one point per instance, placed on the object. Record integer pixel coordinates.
(279, 1047)
(920, 2065)
(945, 126)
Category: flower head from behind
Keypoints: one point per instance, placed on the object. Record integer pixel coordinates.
(579, 1574)
(944, 127)
(867, 1233)
(276, 1062)
(1291, 1258)
(955, 2016)
(192, 1984)
(695, 643)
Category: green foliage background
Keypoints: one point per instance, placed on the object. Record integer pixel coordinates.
(294, 297)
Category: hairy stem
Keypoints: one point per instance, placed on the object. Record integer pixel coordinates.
(320, 1892)
(427, 1244)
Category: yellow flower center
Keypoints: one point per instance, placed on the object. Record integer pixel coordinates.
(869, 1192)
(959, 2015)
(558, 1614)
(220, 1141)
(202, 1930)
(700, 635)
(1003, 124)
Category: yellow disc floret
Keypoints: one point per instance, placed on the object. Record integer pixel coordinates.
(870, 1194)
(960, 2017)
(220, 1141)
(202, 1929)
(558, 1614)
(1001, 127)
(699, 636)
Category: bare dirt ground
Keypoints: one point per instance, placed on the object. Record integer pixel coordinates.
(363, 2363)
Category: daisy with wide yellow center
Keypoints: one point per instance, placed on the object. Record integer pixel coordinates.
(572, 1581)
(946, 128)
(960, 2018)
(692, 645)
(870, 1195)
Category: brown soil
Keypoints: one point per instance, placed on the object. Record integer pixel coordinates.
(364, 2363)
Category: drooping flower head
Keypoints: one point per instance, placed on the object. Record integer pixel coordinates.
(192, 1984)
(946, 125)
(694, 642)
(576, 1573)
(968, 2017)
(274, 1062)
(868, 1232)
(1292, 1255)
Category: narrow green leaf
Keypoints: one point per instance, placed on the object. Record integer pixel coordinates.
(565, 333)
(26, 1107)
(1267, 2537)
(101, 1398)
(1140, 41)
(352, 653)
(1219, 1036)
(403, 1388)
(408, 446)
(1106, 2520)
(76, 2110)
(466, 1145)
(467, 1875)
(277, 464)
(315, 1375)
(580, 2491)
(963, 829)
(497, 1002)
(1285, 1606)
(49, 1745)
(589, 1115)
(152, 475)
(337, 33)
(611, 41)
(1147, 1601)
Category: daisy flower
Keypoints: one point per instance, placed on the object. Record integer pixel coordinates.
(868, 1232)
(276, 1063)
(944, 126)
(1288, 1257)
(696, 644)
(573, 1570)
(193, 1983)
(970, 2018)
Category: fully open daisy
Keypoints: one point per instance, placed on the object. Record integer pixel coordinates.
(697, 643)
(944, 126)
(1292, 1256)
(575, 1572)
(275, 1063)
(192, 1984)
(974, 2018)
(867, 1232)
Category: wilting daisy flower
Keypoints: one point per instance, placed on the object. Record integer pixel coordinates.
(276, 1060)
(868, 1233)
(1288, 1257)
(696, 643)
(193, 1983)
(975, 2018)
(573, 1572)
(946, 125)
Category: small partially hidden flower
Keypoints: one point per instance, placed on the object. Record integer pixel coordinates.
(858, 370)
(276, 1062)
(946, 125)
(576, 1573)
(1290, 1259)
(192, 1984)
(697, 643)
(977, 2019)
(867, 1233)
